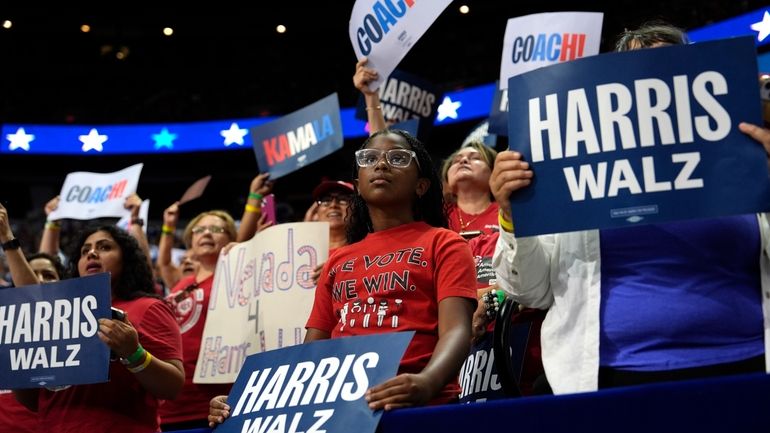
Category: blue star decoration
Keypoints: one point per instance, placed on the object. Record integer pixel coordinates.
(164, 139)
(448, 109)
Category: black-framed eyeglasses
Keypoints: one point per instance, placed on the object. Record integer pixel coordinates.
(400, 158)
(342, 200)
(212, 229)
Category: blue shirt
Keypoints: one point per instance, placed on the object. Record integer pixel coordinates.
(680, 295)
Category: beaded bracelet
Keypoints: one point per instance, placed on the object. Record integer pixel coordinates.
(166, 230)
(134, 357)
(254, 209)
(144, 365)
(255, 195)
(492, 301)
(376, 107)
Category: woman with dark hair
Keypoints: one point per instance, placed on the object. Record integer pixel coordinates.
(424, 275)
(147, 342)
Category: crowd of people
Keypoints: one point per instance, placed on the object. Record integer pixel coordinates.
(608, 308)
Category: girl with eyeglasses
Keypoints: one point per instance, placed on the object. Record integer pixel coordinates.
(205, 236)
(420, 275)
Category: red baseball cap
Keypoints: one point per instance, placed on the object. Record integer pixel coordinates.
(332, 185)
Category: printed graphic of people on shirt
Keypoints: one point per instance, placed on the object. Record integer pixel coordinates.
(364, 313)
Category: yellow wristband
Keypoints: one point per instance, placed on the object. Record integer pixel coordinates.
(166, 230)
(504, 223)
(52, 225)
(254, 209)
(147, 360)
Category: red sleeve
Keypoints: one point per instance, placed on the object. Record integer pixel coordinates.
(322, 315)
(455, 271)
(159, 333)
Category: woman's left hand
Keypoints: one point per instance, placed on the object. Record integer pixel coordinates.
(404, 390)
(119, 336)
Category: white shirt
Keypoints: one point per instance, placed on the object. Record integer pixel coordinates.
(562, 273)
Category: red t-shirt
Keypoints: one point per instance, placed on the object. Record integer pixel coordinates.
(14, 417)
(486, 221)
(393, 280)
(483, 248)
(191, 305)
(122, 404)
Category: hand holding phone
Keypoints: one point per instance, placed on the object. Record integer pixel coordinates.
(118, 314)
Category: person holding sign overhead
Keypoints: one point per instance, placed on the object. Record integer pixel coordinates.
(635, 305)
(206, 235)
(402, 270)
(146, 341)
(34, 269)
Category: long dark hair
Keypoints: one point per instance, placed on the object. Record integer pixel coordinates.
(136, 279)
(428, 208)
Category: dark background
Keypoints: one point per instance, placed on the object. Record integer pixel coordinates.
(226, 61)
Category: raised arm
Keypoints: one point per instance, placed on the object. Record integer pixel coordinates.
(136, 225)
(361, 79)
(252, 213)
(21, 272)
(49, 242)
(522, 265)
(170, 273)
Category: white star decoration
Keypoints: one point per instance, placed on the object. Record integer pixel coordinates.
(93, 141)
(19, 140)
(448, 108)
(763, 27)
(234, 135)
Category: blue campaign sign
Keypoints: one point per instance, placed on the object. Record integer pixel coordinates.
(639, 137)
(48, 333)
(405, 96)
(297, 139)
(314, 387)
(498, 113)
(411, 126)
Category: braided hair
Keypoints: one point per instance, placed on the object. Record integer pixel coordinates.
(428, 208)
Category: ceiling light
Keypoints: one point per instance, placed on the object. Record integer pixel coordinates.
(280, 28)
(7, 24)
(85, 28)
(464, 9)
(168, 31)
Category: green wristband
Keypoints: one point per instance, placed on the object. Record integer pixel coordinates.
(255, 195)
(134, 357)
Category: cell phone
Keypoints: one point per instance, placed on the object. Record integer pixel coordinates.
(268, 208)
(118, 314)
(470, 234)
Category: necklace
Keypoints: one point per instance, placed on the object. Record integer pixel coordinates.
(463, 224)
